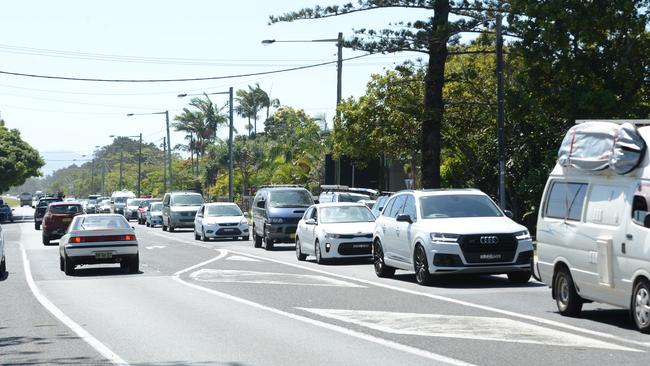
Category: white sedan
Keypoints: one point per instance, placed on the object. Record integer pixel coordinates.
(335, 230)
(220, 220)
(94, 239)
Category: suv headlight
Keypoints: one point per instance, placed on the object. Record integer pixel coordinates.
(276, 220)
(444, 238)
(522, 235)
(243, 222)
(332, 236)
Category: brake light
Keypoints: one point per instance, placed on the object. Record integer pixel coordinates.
(75, 239)
(101, 238)
(129, 237)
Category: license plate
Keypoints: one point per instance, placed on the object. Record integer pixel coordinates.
(66, 219)
(292, 236)
(360, 246)
(228, 230)
(103, 255)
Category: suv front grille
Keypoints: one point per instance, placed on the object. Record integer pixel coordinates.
(488, 250)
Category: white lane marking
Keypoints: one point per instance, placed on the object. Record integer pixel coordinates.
(241, 259)
(222, 253)
(463, 327)
(151, 247)
(349, 332)
(267, 278)
(458, 302)
(76, 328)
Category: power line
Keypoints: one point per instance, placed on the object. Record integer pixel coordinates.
(177, 80)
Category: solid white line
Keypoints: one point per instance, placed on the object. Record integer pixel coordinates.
(76, 328)
(336, 328)
(456, 301)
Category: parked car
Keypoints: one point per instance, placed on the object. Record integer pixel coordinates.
(335, 230)
(3, 260)
(179, 209)
(220, 220)
(144, 207)
(40, 209)
(276, 212)
(25, 199)
(153, 216)
(94, 239)
(6, 212)
(593, 227)
(57, 218)
(435, 232)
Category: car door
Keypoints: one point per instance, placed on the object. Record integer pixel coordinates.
(311, 232)
(403, 233)
(390, 242)
(302, 232)
(635, 250)
(198, 220)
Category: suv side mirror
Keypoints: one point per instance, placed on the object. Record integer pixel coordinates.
(310, 222)
(404, 218)
(508, 214)
(261, 204)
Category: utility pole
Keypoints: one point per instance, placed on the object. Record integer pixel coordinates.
(140, 165)
(500, 123)
(164, 165)
(339, 79)
(92, 175)
(103, 176)
(230, 195)
(169, 153)
(121, 163)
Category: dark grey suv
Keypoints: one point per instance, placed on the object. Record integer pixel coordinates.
(276, 212)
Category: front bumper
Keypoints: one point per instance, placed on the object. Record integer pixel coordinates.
(360, 247)
(155, 220)
(282, 233)
(217, 231)
(182, 222)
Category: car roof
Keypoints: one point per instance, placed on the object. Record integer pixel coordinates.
(220, 204)
(340, 204)
(65, 203)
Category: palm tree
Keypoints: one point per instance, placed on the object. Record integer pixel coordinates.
(251, 102)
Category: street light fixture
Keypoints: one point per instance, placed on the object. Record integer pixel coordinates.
(230, 133)
(169, 144)
(339, 69)
(139, 161)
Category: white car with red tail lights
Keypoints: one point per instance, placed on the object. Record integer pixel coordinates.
(335, 230)
(96, 239)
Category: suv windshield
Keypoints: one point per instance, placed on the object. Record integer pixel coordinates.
(290, 198)
(331, 215)
(458, 205)
(223, 210)
(187, 200)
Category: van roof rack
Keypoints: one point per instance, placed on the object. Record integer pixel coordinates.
(343, 188)
(636, 122)
(281, 186)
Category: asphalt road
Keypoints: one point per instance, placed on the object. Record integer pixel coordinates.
(228, 303)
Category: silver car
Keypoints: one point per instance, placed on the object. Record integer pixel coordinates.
(179, 209)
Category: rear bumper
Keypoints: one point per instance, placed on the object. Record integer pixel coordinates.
(88, 251)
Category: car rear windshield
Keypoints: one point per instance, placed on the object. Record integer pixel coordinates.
(223, 210)
(290, 198)
(120, 199)
(134, 202)
(156, 206)
(352, 197)
(331, 215)
(458, 205)
(101, 222)
(187, 200)
(65, 209)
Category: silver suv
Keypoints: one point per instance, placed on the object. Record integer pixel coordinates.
(435, 232)
(179, 209)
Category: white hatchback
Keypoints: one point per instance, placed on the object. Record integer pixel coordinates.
(220, 220)
(434, 232)
(335, 230)
(99, 238)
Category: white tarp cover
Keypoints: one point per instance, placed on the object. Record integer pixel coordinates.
(594, 146)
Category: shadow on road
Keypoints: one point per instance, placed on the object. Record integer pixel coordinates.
(468, 281)
(616, 317)
(102, 271)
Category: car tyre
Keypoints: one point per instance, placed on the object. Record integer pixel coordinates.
(196, 236)
(421, 266)
(203, 237)
(134, 264)
(3, 266)
(268, 243)
(640, 305)
(381, 269)
(519, 278)
(68, 266)
(567, 299)
(299, 254)
(257, 240)
(61, 264)
(171, 228)
(164, 228)
(37, 226)
(46, 239)
(147, 224)
(318, 254)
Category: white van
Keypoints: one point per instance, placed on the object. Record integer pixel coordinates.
(118, 201)
(593, 228)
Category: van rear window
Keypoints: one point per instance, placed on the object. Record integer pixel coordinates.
(565, 200)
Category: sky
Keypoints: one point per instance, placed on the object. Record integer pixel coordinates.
(146, 39)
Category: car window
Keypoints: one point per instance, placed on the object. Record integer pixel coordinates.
(640, 204)
(102, 222)
(341, 214)
(396, 208)
(65, 209)
(409, 207)
(565, 200)
(307, 213)
(223, 210)
(388, 207)
(458, 205)
(290, 198)
(156, 206)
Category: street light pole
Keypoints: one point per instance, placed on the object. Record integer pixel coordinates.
(140, 165)
(339, 77)
(169, 153)
(500, 123)
(121, 185)
(164, 165)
